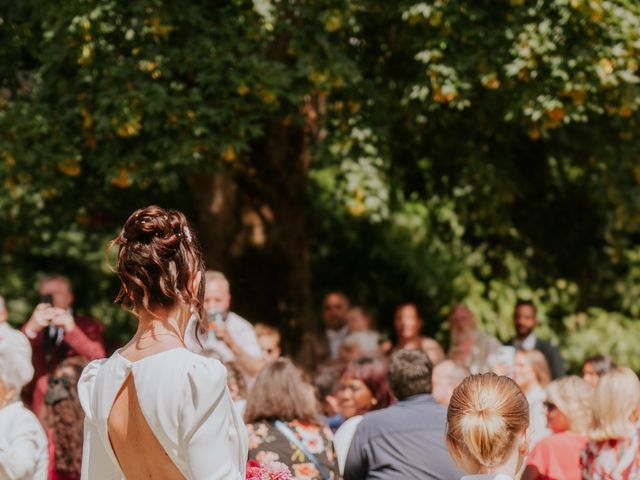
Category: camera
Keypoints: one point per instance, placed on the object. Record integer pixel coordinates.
(46, 299)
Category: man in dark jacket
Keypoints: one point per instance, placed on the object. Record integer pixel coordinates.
(525, 321)
(407, 439)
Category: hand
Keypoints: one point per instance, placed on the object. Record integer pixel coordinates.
(40, 317)
(63, 319)
(223, 334)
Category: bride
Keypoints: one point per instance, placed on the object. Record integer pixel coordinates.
(155, 409)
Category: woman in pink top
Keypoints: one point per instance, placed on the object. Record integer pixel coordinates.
(557, 456)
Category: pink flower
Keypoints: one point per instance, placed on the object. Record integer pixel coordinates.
(267, 471)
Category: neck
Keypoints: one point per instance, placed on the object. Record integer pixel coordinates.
(162, 322)
(410, 342)
(522, 337)
(512, 465)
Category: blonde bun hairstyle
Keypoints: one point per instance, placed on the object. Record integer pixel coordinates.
(486, 415)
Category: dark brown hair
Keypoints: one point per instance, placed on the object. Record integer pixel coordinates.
(409, 373)
(281, 393)
(158, 260)
(373, 373)
(65, 418)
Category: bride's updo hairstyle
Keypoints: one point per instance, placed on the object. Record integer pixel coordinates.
(158, 262)
(486, 415)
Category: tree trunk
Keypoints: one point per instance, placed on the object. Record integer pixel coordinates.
(251, 218)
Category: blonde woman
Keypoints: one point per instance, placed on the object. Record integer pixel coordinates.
(532, 375)
(613, 452)
(557, 456)
(487, 427)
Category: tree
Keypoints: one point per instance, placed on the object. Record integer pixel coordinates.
(436, 150)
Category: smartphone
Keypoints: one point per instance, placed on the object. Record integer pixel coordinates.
(46, 299)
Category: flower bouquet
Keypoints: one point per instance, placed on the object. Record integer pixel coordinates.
(267, 471)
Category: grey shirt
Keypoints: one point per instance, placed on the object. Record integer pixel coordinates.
(406, 440)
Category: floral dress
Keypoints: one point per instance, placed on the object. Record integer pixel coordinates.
(612, 459)
(267, 444)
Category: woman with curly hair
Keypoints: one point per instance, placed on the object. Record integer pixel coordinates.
(63, 416)
(568, 408)
(155, 409)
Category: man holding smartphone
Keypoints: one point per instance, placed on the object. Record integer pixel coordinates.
(55, 334)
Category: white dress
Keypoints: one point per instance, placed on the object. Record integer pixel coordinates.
(23, 445)
(184, 399)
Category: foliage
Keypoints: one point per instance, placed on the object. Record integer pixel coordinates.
(457, 150)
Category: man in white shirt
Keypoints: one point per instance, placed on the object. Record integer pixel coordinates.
(235, 338)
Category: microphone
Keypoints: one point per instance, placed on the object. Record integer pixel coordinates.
(214, 318)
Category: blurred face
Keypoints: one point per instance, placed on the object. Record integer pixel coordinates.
(334, 311)
(590, 375)
(60, 291)
(442, 387)
(269, 346)
(462, 322)
(354, 397)
(407, 323)
(217, 297)
(357, 320)
(556, 420)
(525, 320)
(524, 374)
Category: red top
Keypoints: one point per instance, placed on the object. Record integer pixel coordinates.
(557, 456)
(84, 340)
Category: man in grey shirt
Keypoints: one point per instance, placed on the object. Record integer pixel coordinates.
(407, 439)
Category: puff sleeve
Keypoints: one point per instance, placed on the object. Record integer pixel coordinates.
(96, 464)
(214, 436)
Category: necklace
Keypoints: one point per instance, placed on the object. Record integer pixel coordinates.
(159, 334)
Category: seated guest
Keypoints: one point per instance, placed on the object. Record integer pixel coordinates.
(596, 366)
(613, 451)
(18, 342)
(525, 321)
(532, 376)
(360, 344)
(358, 320)
(269, 340)
(64, 418)
(557, 456)
(405, 440)
(284, 424)
(56, 333)
(326, 382)
(237, 387)
(469, 346)
(447, 375)
(487, 422)
(363, 387)
(408, 327)
(319, 347)
(23, 442)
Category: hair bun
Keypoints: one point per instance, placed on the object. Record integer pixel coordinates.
(158, 261)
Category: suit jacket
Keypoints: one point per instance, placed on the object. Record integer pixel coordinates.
(403, 441)
(552, 355)
(84, 340)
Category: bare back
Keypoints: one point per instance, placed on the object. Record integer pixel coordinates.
(137, 449)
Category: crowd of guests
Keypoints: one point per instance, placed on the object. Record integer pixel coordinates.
(350, 403)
